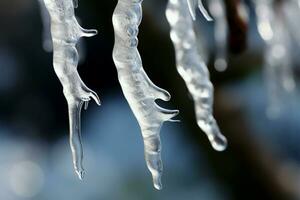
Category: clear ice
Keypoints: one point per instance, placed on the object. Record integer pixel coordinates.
(138, 89)
(66, 32)
(278, 72)
(193, 70)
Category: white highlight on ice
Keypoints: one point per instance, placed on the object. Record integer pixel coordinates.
(138, 89)
(193, 70)
(193, 5)
(66, 32)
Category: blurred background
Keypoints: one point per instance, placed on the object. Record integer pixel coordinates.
(263, 157)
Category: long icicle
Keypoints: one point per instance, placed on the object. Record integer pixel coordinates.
(193, 70)
(138, 89)
(66, 32)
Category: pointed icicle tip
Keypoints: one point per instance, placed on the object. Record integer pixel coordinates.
(219, 142)
(192, 8)
(95, 97)
(157, 182)
(80, 174)
(204, 11)
(88, 32)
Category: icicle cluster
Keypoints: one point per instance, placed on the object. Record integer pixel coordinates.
(66, 32)
(138, 89)
(192, 68)
(278, 72)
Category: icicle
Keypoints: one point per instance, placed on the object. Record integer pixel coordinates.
(278, 72)
(217, 9)
(66, 32)
(193, 70)
(138, 89)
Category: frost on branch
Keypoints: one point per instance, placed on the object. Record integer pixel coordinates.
(66, 32)
(193, 70)
(138, 89)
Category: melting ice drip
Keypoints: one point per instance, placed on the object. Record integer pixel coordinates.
(66, 32)
(138, 89)
(278, 72)
(192, 68)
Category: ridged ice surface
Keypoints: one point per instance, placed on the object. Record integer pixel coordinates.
(66, 32)
(138, 89)
(193, 70)
(278, 72)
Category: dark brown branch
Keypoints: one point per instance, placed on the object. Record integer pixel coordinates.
(238, 27)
